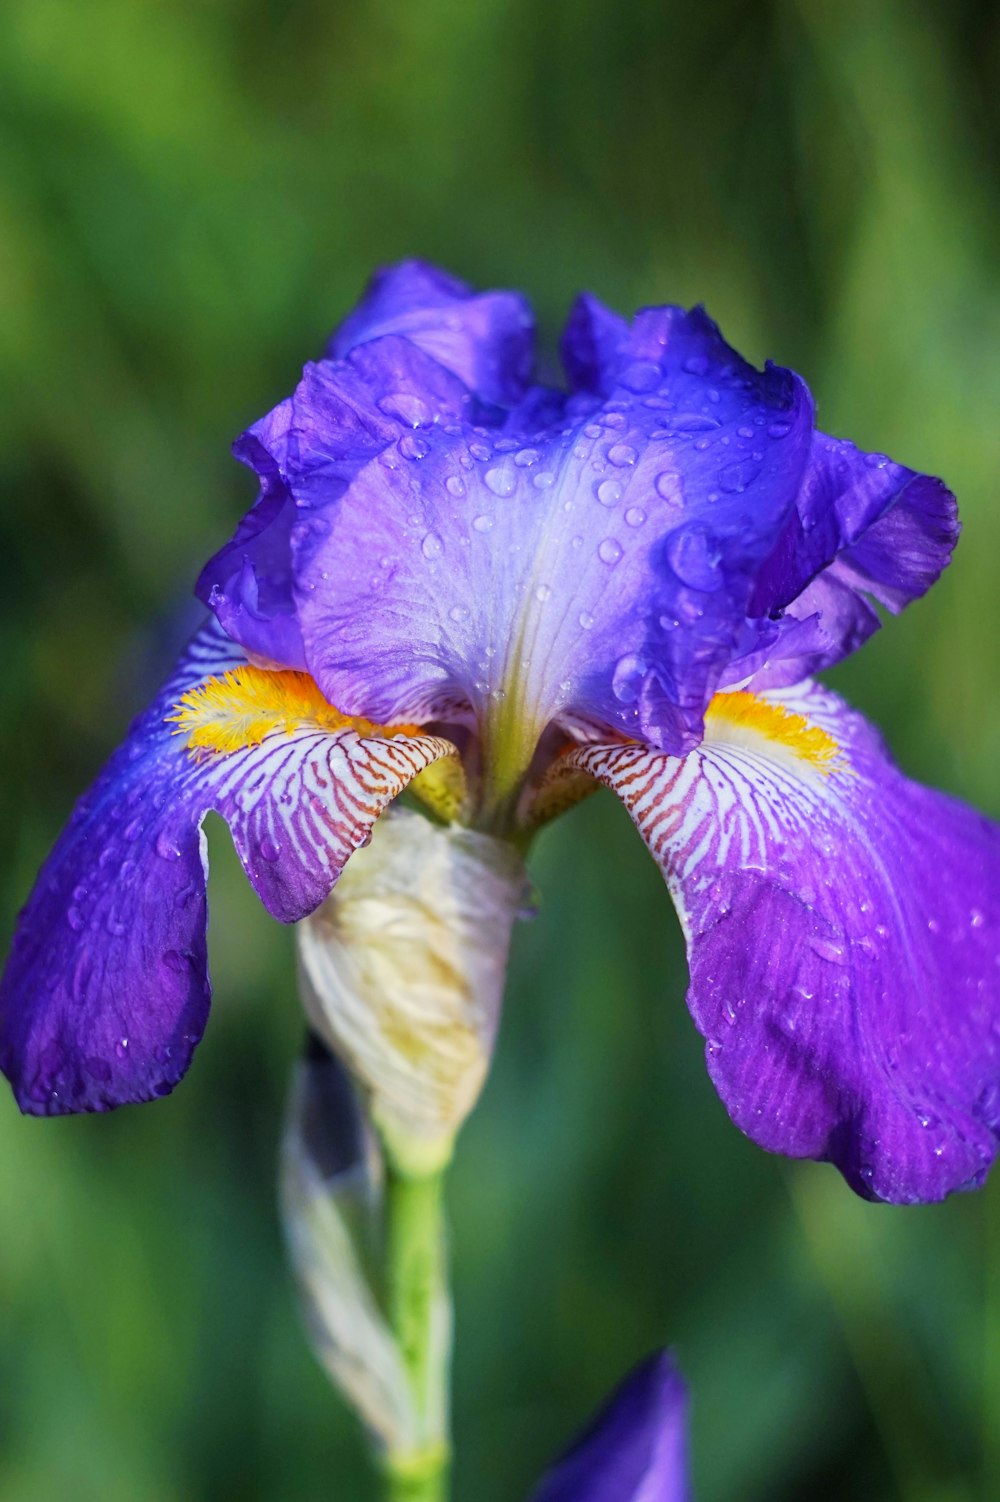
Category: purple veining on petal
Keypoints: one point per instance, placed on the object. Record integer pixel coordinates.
(844, 946)
(636, 1448)
(106, 990)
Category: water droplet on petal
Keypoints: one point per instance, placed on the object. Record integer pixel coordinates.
(268, 849)
(411, 446)
(406, 407)
(668, 487)
(609, 551)
(166, 847)
(641, 375)
(621, 454)
(121, 1048)
(432, 547)
(458, 613)
(483, 522)
(635, 516)
(75, 919)
(696, 364)
(501, 480)
(543, 480)
(693, 558)
(542, 593)
(455, 486)
(609, 492)
(626, 681)
(586, 619)
(525, 458)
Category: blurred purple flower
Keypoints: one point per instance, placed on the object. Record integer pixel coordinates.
(636, 1448)
(631, 581)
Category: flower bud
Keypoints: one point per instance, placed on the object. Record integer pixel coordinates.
(331, 1204)
(402, 973)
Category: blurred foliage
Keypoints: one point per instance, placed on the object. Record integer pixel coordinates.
(192, 192)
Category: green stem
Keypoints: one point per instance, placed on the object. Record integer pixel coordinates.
(419, 1310)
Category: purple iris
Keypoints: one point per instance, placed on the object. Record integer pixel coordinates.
(508, 591)
(636, 1448)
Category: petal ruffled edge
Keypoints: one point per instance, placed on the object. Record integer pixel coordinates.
(843, 932)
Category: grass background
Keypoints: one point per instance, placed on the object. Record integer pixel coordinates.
(192, 193)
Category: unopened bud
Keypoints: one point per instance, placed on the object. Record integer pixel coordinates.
(331, 1206)
(403, 971)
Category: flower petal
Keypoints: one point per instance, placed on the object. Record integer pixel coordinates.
(864, 529)
(843, 932)
(106, 990)
(597, 568)
(636, 1448)
(486, 338)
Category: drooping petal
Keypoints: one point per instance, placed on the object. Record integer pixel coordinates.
(636, 1448)
(106, 990)
(843, 932)
(485, 338)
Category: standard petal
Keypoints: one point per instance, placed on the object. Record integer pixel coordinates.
(106, 990)
(485, 338)
(598, 568)
(843, 932)
(636, 1448)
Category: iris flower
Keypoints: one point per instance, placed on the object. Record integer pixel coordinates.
(636, 1448)
(498, 593)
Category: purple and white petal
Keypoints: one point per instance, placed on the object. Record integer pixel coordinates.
(106, 990)
(596, 568)
(843, 933)
(485, 338)
(636, 1448)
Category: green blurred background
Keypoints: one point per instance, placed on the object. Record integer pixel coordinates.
(192, 194)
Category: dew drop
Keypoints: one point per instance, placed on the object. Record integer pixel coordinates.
(693, 558)
(501, 480)
(626, 681)
(432, 547)
(609, 492)
(75, 919)
(641, 375)
(268, 849)
(455, 486)
(458, 613)
(121, 1048)
(525, 458)
(609, 551)
(483, 522)
(412, 446)
(668, 486)
(621, 454)
(635, 516)
(543, 480)
(406, 407)
(166, 847)
(542, 593)
(585, 619)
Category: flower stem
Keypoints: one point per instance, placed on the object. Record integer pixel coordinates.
(419, 1310)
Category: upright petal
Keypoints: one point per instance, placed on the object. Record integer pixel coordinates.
(636, 1448)
(106, 991)
(599, 567)
(485, 338)
(843, 932)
